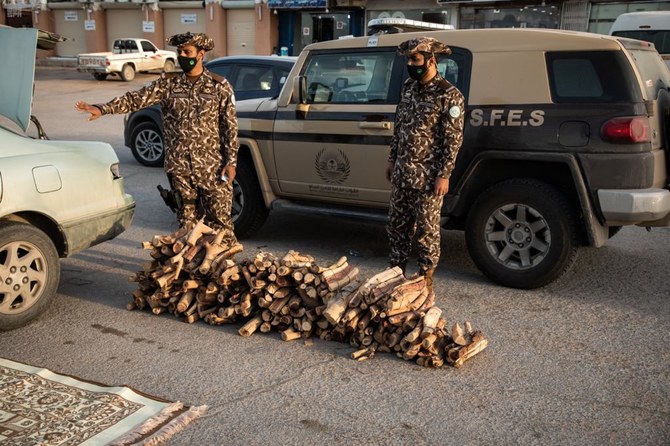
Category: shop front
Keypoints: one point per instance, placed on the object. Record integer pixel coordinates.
(302, 22)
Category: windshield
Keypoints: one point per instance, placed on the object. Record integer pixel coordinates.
(660, 38)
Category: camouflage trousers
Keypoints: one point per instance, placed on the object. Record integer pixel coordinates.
(413, 213)
(214, 200)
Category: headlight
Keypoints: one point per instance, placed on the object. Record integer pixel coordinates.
(116, 173)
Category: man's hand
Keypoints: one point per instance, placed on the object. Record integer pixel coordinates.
(441, 186)
(229, 172)
(389, 170)
(88, 108)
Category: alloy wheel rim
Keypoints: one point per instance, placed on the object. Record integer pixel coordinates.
(23, 276)
(517, 236)
(149, 145)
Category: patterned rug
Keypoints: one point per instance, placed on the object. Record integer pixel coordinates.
(40, 407)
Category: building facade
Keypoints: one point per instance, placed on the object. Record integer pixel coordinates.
(264, 27)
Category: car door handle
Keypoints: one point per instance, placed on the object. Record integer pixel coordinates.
(384, 125)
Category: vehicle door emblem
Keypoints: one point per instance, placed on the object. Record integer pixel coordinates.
(332, 167)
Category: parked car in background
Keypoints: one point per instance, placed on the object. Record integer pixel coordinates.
(650, 26)
(56, 197)
(250, 76)
(127, 57)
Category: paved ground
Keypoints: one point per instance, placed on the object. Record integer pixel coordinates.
(582, 361)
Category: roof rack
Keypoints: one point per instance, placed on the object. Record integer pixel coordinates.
(392, 25)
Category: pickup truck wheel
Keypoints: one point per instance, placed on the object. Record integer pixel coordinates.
(146, 143)
(169, 66)
(100, 76)
(127, 73)
(249, 211)
(30, 274)
(521, 233)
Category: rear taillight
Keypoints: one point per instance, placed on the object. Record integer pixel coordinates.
(116, 173)
(107, 62)
(626, 130)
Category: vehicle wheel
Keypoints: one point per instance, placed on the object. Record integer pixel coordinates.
(128, 73)
(146, 143)
(100, 76)
(169, 66)
(521, 233)
(30, 273)
(249, 211)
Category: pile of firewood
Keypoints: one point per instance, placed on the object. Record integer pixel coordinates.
(193, 275)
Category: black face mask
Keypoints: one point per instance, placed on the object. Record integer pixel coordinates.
(417, 72)
(187, 63)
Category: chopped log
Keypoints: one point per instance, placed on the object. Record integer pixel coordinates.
(251, 326)
(335, 268)
(290, 335)
(462, 354)
(430, 321)
(339, 280)
(185, 301)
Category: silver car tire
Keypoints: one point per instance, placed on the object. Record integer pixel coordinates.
(29, 274)
(147, 146)
(128, 73)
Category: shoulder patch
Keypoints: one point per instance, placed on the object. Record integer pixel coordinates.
(216, 77)
(445, 85)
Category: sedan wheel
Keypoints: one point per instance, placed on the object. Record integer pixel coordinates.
(147, 144)
(522, 233)
(29, 274)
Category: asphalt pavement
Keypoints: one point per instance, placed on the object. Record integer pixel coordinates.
(582, 361)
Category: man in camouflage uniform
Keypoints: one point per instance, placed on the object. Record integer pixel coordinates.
(427, 136)
(199, 128)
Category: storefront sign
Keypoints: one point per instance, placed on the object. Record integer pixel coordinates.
(189, 19)
(297, 4)
(148, 26)
(89, 25)
(71, 16)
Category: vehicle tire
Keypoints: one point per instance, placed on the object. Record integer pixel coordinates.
(169, 66)
(146, 143)
(249, 211)
(522, 233)
(30, 274)
(100, 76)
(127, 73)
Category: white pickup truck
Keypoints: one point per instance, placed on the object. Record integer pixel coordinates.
(127, 57)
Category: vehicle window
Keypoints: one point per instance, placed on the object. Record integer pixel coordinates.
(148, 47)
(253, 78)
(125, 46)
(660, 38)
(283, 75)
(654, 71)
(591, 76)
(454, 68)
(349, 78)
(220, 69)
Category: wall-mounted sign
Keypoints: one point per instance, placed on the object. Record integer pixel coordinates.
(89, 25)
(189, 19)
(71, 16)
(148, 26)
(297, 4)
(306, 31)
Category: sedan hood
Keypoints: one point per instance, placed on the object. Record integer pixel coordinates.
(17, 72)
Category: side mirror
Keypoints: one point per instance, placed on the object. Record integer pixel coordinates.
(299, 89)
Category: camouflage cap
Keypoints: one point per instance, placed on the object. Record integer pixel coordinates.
(196, 39)
(423, 45)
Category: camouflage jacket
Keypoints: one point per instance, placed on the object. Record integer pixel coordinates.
(428, 133)
(199, 122)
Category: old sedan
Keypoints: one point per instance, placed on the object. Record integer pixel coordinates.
(56, 197)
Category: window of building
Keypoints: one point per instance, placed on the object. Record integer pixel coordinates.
(529, 16)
